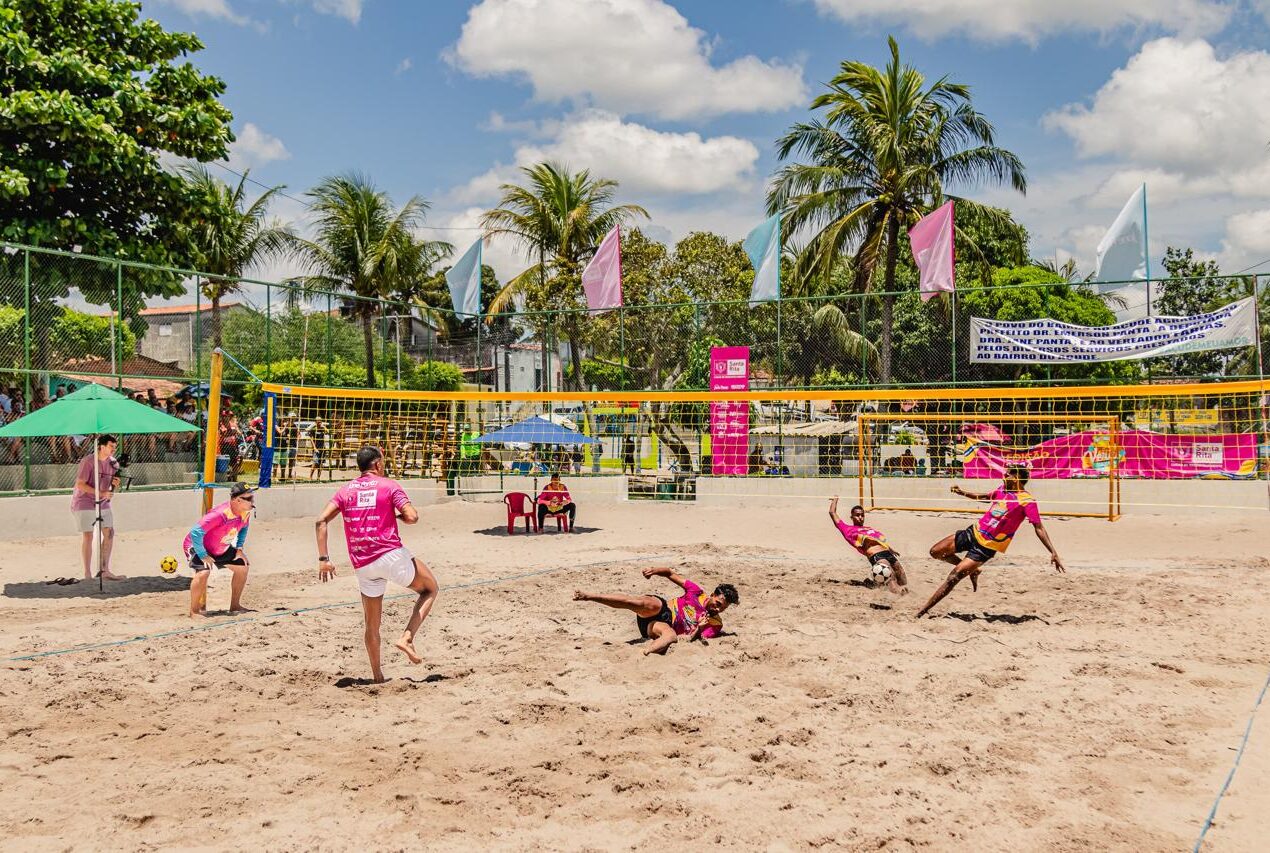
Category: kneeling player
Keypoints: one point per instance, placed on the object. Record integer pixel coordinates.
(991, 534)
(872, 545)
(694, 614)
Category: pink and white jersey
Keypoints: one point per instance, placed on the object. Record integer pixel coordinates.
(859, 537)
(997, 526)
(369, 506)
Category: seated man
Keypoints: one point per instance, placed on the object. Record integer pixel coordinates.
(693, 614)
(554, 500)
(217, 542)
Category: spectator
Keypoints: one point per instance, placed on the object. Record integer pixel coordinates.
(6, 403)
(87, 500)
(597, 451)
(577, 459)
(628, 455)
(554, 500)
(318, 434)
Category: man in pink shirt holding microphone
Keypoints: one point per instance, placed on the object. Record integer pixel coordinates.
(371, 506)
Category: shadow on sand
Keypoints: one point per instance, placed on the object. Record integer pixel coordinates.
(349, 681)
(139, 585)
(1007, 618)
(548, 529)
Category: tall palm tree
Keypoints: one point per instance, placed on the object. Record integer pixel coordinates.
(879, 160)
(560, 217)
(230, 236)
(363, 247)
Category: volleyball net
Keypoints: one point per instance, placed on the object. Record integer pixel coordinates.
(1092, 451)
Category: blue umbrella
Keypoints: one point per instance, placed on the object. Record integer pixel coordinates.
(536, 430)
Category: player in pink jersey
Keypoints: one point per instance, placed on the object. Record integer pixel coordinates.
(694, 614)
(991, 534)
(371, 506)
(871, 544)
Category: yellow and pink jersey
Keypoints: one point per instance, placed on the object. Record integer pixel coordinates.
(689, 610)
(997, 526)
(859, 537)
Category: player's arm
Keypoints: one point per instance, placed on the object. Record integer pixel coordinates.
(408, 514)
(1044, 536)
(974, 496)
(326, 569)
(833, 510)
(667, 573)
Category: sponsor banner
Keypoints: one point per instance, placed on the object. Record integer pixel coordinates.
(1050, 341)
(730, 422)
(1147, 455)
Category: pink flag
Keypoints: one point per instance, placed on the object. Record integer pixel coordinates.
(932, 239)
(602, 278)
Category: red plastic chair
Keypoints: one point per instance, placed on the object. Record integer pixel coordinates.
(520, 505)
(562, 520)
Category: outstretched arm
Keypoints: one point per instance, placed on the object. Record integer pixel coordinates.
(326, 569)
(1044, 536)
(974, 496)
(667, 573)
(833, 510)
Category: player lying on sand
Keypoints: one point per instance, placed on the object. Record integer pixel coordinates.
(371, 506)
(872, 545)
(991, 534)
(694, 614)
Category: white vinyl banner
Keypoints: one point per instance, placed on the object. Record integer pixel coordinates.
(1049, 341)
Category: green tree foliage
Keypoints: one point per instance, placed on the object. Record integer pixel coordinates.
(11, 336)
(434, 376)
(882, 157)
(1195, 287)
(91, 96)
(78, 335)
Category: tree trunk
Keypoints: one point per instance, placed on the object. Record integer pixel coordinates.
(659, 422)
(370, 348)
(888, 297)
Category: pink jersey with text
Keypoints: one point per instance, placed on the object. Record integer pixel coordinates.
(369, 506)
(858, 537)
(997, 526)
(689, 610)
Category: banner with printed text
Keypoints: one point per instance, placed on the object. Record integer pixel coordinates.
(1054, 342)
(1137, 453)
(730, 421)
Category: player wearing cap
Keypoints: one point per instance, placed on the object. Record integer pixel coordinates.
(217, 542)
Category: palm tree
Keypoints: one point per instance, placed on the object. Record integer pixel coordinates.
(878, 161)
(561, 217)
(363, 247)
(228, 238)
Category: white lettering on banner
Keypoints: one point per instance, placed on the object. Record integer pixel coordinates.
(1048, 340)
(1207, 453)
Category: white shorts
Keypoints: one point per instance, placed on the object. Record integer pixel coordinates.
(397, 566)
(84, 519)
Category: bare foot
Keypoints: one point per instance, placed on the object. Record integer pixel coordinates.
(378, 679)
(579, 595)
(240, 609)
(196, 613)
(407, 647)
(111, 576)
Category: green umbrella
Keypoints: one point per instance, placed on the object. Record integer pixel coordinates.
(94, 410)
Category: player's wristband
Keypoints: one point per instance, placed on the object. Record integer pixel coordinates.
(324, 559)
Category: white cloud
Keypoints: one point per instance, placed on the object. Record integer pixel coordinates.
(630, 56)
(404, 65)
(216, 9)
(349, 10)
(1247, 241)
(254, 147)
(1194, 122)
(1030, 20)
(641, 159)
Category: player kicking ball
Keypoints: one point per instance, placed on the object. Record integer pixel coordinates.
(693, 615)
(872, 545)
(991, 534)
(371, 506)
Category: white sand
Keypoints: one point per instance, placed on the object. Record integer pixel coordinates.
(1093, 711)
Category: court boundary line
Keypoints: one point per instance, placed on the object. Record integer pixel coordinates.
(278, 614)
(1212, 813)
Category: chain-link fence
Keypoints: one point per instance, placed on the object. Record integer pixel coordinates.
(68, 319)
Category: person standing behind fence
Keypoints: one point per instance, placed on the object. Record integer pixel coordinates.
(318, 435)
(87, 499)
(628, 455)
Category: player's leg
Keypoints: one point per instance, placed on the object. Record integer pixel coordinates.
(425, 584)
(237, 585)
(198, 592)
(898, 583)
(966, 567)
(946, 549)
(662, 637)
(642, 605)
(372, 612)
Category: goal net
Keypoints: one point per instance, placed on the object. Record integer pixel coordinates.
(1093, 451)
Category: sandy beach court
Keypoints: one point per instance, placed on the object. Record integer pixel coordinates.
(1094, 711)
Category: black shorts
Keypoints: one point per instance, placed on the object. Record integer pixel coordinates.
(887, 555)
(231, 557)
(663, 615)
(967, 543)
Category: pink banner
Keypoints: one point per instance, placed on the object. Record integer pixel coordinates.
(730, 422)
(1148, 455)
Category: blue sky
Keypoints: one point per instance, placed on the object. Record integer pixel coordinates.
(681, 100)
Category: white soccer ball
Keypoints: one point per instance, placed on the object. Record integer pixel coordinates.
(882, 572)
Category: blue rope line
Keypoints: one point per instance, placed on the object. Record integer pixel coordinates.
(295, 612)
(240, 365)
(1212, 814)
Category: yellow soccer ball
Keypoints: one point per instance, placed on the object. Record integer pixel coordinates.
(168, 565)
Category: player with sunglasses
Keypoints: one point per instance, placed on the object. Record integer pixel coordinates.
(217, 542)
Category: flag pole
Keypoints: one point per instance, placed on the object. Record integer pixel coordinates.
(480, 259)
(1146, 246)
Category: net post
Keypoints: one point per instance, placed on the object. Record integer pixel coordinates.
(211, 442)
(270, 401)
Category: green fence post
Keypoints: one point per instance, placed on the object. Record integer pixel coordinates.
(26, 362)
(955, 351)
(118, 365)
(329, 355)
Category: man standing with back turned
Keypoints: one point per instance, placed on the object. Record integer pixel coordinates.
(371, 506)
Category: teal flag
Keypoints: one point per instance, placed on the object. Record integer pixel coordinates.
(763, 245)
(464, 280)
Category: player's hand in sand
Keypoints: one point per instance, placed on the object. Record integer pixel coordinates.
(657, 571)
(326, 570)
(1058, 564)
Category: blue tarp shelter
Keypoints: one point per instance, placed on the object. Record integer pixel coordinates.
(536, 430)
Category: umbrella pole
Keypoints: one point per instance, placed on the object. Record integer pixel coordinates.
(101, 581)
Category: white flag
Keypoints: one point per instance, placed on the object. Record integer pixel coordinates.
(464, 279)
(1122, 254)
(763, 245)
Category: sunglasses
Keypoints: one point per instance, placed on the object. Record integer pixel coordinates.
(248, 498)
